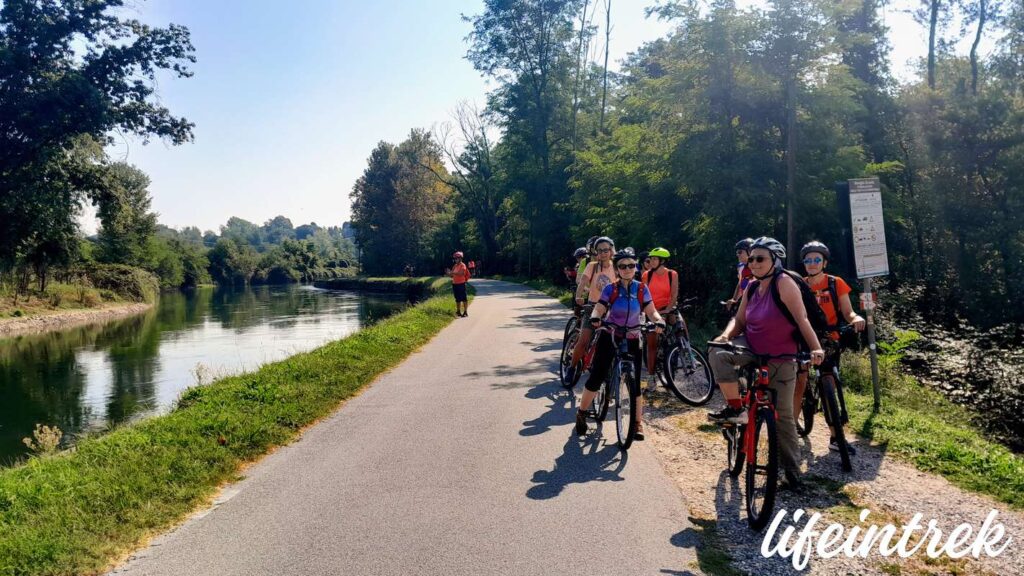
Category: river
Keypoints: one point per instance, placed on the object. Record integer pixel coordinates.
(90, 378)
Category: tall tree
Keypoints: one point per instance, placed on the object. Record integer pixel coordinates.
(127, 225)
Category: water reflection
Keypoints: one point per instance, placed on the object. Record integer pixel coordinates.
(93, 377)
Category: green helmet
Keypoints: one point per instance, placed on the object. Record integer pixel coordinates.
(659, 252)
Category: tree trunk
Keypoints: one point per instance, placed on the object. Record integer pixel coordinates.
(791, 173)
(974, 47)
(579, 73)
(607, 41)
(933, 25)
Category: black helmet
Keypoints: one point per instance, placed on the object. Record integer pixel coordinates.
(815, 246)
(770, 244)
(590, 243)
(580, 252)
(744, 244)
(623, 254)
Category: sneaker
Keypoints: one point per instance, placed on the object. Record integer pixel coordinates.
(791, 482)
(730, 415)
(834, 446)
(465, 314)
(581, 422)
(652, 382)
(639, 431)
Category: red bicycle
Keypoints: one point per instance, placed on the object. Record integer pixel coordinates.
(756, 443)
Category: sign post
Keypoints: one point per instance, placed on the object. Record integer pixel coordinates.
(870, 255)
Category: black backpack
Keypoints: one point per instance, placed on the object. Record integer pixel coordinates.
(814, 312)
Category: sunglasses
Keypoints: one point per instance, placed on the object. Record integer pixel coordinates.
(757, 259)
(815, 260)
(603, 250)
(627, 266)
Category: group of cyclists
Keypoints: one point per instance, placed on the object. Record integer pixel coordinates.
(769, 319)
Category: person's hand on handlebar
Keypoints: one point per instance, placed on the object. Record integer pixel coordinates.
(858, 322)
(817, 356)
(595, 322)
(659, 327)
(720, 338)
(580, 301)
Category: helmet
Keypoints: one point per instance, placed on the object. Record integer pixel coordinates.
(744, 244)
(623, 254)
(457, 255)
(772, 245)
(580, 252)
(590, 243)
(659, 252)
(815, 246)
(601, 239)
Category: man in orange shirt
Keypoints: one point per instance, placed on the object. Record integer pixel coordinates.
(833, 295)
(460, 276)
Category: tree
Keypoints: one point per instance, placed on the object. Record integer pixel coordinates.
(277, 230)
(73, 72)
(128, 226)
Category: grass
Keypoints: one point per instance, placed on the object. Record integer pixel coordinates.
(57, 297)
(79, 511)
(921, 426)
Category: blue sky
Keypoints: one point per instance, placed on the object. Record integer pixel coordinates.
(289, 98)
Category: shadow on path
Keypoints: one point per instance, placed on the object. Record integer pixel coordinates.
(581, 461)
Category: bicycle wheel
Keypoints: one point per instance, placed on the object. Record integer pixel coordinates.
(570, 325)
(625, 407)
(804, 417)
(602, 400)
(763, 471)
(566, 358)
(734, 449)
(830, 405)
(689, 375)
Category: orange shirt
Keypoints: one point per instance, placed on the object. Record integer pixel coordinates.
(460, 274)
(825, 298)
(660, 287)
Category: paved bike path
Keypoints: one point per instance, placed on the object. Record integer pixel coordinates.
(459, 461)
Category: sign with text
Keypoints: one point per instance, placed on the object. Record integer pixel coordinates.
(869, 249)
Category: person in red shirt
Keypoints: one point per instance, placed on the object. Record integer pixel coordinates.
(815, 256)
(459, 273)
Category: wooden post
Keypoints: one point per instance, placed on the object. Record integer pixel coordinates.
(869, 310)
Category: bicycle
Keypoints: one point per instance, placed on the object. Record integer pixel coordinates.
(743, 442)
(827, 391)
(573, 328)
(681, 368)
(621, 384)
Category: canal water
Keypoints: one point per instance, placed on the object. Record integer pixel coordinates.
(91, 378)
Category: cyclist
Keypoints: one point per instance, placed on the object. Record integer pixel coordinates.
(743, 274)
(572, 272)
(460, 276)
(620, 304)
(596, 276)
(663, 284)
(833, 295)
(766, 330)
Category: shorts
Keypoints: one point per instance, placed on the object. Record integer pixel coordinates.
(459, 290)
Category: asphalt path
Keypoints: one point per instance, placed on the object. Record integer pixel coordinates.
(460, 461)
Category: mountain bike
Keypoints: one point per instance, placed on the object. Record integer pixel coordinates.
(756, 443)
(826, 390)
(573, 328)
(680, 367)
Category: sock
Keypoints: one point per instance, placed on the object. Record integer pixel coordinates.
(735, 403)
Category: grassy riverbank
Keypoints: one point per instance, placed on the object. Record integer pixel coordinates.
(77, 512)
(916, 423)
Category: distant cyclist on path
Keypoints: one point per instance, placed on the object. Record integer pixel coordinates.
(460, 277)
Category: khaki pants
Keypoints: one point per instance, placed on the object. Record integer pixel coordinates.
(782, 376)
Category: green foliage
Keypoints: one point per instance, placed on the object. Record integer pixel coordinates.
(127, 282)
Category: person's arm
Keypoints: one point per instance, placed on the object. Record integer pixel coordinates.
(652, 314)
(466, 270)
(583, 285)
(674, 298)
(848, 313)
(737, 324)
(599, 311)
(790, 294)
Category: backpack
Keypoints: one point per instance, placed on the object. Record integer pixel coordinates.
(819, 323)
(632, 294)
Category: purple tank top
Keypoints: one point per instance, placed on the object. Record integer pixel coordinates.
(768, 330)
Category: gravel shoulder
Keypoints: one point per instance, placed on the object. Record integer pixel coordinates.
(693, 454)
(61, 319)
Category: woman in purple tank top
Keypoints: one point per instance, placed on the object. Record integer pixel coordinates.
(766, 330)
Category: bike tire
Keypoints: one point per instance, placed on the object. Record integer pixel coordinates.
(566, 358)
(625, 406)
(570, 325)
(602, 399)
(734, 457)
(804, 417)
(693, 384)
(830, 404)
(766, 464)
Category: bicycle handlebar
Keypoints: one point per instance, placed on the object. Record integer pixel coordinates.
(799, 356)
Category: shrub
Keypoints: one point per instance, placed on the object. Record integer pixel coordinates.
(128, 282)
